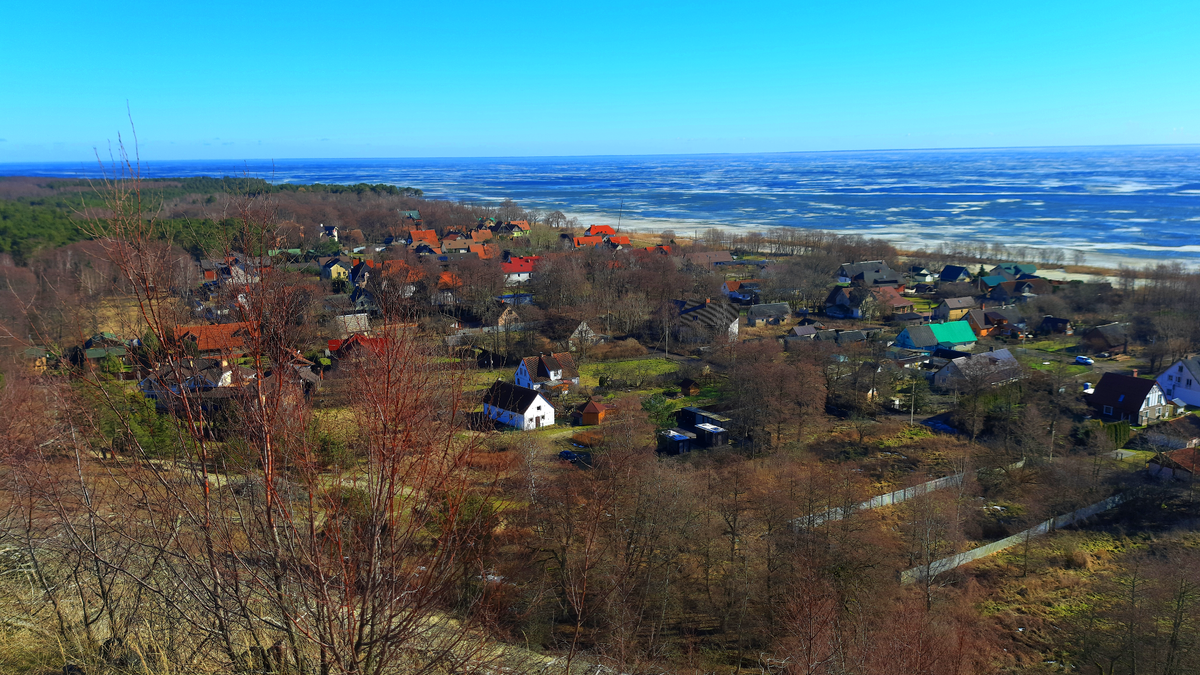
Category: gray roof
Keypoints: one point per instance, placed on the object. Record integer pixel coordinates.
(921, 336)
(959, 303)
(769, 310)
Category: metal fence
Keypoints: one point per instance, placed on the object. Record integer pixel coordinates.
(946, 564)
(878, 501)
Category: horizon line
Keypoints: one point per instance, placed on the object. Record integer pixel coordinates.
(681, 154)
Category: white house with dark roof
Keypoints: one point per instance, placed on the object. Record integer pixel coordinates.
(1182, 381)
(518, 407)
(547, 371)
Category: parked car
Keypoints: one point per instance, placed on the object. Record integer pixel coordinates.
(1084, 360)
(568, 456)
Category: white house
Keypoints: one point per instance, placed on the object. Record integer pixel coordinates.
(547, 371)
(518, 407)
(1182, 381)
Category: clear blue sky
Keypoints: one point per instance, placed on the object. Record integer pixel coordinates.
(394, 79)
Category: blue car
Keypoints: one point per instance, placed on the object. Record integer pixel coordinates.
(568, 456)
(1084, 360)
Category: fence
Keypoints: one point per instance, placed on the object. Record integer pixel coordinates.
(946, 564)
(879, 501)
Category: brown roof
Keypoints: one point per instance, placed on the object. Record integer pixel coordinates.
(224, 337)
(1184, 458)
(539, 367)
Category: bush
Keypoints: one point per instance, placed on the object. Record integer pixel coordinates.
(624, 349)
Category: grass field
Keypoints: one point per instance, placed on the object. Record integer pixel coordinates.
(634, 371)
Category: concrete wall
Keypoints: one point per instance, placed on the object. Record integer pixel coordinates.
(946, 564)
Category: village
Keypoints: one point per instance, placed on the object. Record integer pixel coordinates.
(905, 344)
(678, 437)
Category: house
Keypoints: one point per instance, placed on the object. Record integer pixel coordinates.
(359, 346)
(508, 317)
(1110, 338)
(581, 242)
(1177, 464)
(547, 372)
(997, 321)
(702, 320)
(484, 251)
(414, 216)
(891, 299)
(1133, 399)
(952, 335)
(589, 414)
(225, 340)
(1013, 271)
(806, 332)
(600, 231)
(710, 428)
(675, 441)
(1181, 381)
(870, 273)
(689, 387)
(953, 309)
(328, 232)
(428, 237)
(917, 273)
(954, 274)
(986, 284)
(741, 291)
(335, 268)
(992, 368)
(583, 336)
(772, 313)
(1181, 432)
(456, 245)
(518, 407)
(349, 324)
(518, 269)
(710, 258)
(1053, 325)
(617, 242)
(516, 228)
(1019, 291)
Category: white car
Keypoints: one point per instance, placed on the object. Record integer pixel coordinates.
(1084, 360)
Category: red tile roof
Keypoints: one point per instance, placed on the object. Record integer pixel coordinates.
(520, 265)
(449, 280)
(229, 338)
(624, 241)
(596, 230)
(484, 251)
(580, 242)
(481, 235)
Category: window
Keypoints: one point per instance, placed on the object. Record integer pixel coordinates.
(1158, 412)
(539, 407)
(1170, 378)
(1108, 410)
(1189, 383)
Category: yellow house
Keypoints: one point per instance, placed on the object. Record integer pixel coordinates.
(335, 268)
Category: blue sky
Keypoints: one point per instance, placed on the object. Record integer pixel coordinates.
(396, 79)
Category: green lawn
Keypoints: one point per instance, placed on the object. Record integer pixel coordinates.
(923, 304)
(1050, 346)
(629, 371)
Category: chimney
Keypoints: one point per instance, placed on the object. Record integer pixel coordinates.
(1135, 372)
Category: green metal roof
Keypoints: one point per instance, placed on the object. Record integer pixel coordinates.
(954, 332)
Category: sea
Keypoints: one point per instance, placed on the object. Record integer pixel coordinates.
(1129, 204)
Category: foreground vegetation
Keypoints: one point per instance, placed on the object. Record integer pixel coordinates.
(375, 526)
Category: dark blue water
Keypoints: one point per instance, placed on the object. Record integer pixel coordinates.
(1141, 202)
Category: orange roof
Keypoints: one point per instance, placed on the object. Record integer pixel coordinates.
(224, 337)
(520, 224)
(449, 280)
(481, 235)
(734, 285)
(596, 230)
(624, 241)
(663, 249)
(428, 236)
(580, 242)
(484, 251)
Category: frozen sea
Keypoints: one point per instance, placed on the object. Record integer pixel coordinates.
(1109, 202)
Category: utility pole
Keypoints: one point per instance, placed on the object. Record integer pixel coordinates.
(912, 397)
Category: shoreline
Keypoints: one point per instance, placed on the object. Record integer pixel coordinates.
(1098, 263)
